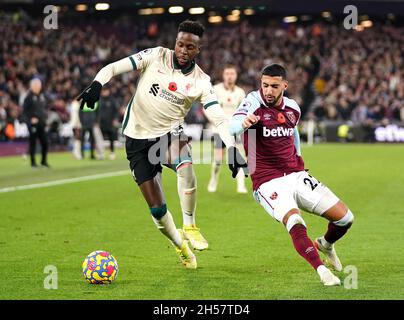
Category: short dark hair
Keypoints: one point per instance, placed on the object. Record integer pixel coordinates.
(230, 66)
(274, 70)
(194, 27)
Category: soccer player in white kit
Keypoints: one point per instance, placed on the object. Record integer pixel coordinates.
(281, 184)
(229, 96)
(170, 82)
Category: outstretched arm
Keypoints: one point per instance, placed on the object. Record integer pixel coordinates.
(244, 116)
(236, 161)
(240, 123)
(216, 115)
(140, 60)
(296, 137)
(91, 94)
(113, 69)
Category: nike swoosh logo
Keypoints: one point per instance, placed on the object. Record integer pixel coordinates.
(160, 71)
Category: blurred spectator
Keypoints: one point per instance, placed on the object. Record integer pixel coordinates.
(74, 108)
(88, 121)
(109, 114)
(35, 115)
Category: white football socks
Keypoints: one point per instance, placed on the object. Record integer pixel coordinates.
(167, 227)
(77, 149)
(215, 170)
(240, 180)
(186, 184)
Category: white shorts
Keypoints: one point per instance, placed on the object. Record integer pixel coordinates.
(297, 190)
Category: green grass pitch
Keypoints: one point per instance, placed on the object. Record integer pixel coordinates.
(250, 255)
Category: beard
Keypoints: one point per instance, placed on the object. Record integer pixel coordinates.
(275, 101)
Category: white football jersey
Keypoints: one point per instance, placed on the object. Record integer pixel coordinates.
(229, 99)
(164, 94)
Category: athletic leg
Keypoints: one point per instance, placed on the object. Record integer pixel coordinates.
(43, 140)
(112, 133)
(340, 220)
(92, 143)
(111, 140)
(32, 143)
(82, 141)
(180, 160)
(317, 198)
(162, 218)
(277, 198)
(148, 176)
(153, 194)
(218, 156)
(77, 144)
(241, 188)
(304, 246)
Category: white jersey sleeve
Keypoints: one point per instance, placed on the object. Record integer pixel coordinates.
(138, 61)
(143, 59)
(215, 114)
(208, 97)
(248, 106)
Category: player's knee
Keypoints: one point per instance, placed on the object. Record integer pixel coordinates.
(294, 219)
(346, 220)
(288, 214)
(181, 162)
(159, 212)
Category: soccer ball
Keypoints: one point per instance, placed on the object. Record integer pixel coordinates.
(100, 267)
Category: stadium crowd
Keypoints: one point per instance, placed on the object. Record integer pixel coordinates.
(361, 75)
(337, 74)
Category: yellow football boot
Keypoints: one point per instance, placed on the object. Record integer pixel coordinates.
(187, 257)
(195, 238)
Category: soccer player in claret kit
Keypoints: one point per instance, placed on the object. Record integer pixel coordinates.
(280, 182)
(170, 82)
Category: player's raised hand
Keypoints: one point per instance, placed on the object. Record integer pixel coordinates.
(90, 95)
(250, 120)
(236, 162)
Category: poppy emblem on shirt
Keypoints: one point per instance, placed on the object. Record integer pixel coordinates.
(188, 87)
(172, 86)
(274, 196)
(291, 116)
(281, 118)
